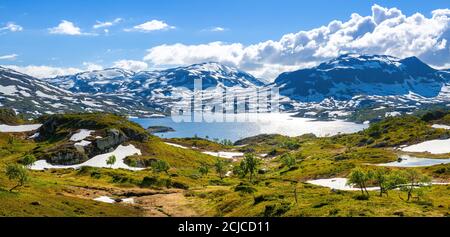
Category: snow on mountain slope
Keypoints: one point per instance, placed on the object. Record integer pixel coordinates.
(106, 81)
(373, 75)
(31, 96)
(160, 88)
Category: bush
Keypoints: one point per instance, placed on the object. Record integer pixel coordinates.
(433, 115)
(361, 197)
(263, 198)
(148, 181)
(120, 178)
(275, 210)
(179, 185)
(28, 160)
(244, 188)
(160, 166)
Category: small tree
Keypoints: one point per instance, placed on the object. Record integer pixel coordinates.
(161, 166)
(220, 168)
(111, 160)
(17, 172)
(393, 181)
(249, 165)
(203, 169)
(288, 160)
(414, 180)
(359, 177)
(28, 160)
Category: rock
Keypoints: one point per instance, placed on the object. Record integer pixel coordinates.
(65, 155)
(114, 138)
(35, 203)
(159, 129)
(263, 171)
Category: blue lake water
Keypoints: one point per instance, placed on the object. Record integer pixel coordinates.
(238, 126)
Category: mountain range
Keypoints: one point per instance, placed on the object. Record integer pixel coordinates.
(335, 88)
(351, 75)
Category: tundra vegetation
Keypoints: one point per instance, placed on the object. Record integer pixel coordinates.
(176, 181)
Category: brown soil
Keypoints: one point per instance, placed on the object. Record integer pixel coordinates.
(153, 203)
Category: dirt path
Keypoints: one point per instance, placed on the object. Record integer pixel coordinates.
(172, 205)
(153, 203)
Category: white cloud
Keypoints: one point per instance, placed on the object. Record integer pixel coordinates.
(43, 71)
(217, 29)
(66, 28)
(92, 66)
(11, 27)
(131, 65)
(106, 24)
(179, 54)
(152, 25)
(385, 31)
(9, 57)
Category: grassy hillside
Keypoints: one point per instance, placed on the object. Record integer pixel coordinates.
(191, 185)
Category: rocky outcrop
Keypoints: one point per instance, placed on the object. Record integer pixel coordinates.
(114, 131)
(114, 138)
(65, 155)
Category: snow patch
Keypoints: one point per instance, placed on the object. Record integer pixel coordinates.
(19, 128)
(432, 146)
(121, 152)
(82, 134)
(224, 154)
(409, 161)
(176, 145)
(440, 126)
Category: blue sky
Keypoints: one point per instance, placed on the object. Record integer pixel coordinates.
(249, 22)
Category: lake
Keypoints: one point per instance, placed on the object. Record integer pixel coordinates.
(238, 126)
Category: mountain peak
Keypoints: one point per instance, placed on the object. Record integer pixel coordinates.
(351, 74)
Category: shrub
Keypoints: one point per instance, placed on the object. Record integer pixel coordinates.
(275, 210)
(160, 166)
(244, 188)
(28, 160)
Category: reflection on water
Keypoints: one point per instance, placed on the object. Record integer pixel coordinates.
(238, 126)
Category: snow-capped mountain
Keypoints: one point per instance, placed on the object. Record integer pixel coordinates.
(353, 75)
(379, 85)
(32, 97)
(104, 81)
(159, 88)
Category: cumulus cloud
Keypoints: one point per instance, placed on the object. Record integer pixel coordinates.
(385, 31)
(11, 27)
(43, 71)
(106, 24)
(150, 26)
(8, 57)
(178, 54)
(92, 66)
(131, 65)
(66, 28)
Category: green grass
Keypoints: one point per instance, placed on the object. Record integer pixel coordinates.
(273, 190)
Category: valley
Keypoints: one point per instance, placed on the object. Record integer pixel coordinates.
(358, 135)
(179, 177)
